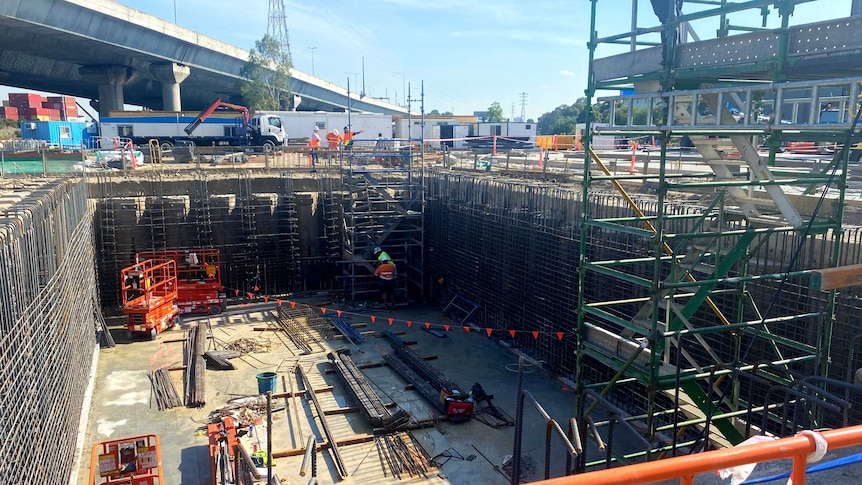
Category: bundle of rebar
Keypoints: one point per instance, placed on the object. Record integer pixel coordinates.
(400, 452)
(372, 408)
(421, 367)
(346, 329)
(163, 389)
(430, 394)
(195, 366)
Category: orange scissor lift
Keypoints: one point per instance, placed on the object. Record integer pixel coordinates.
(136, 460)
(149, 297)
(198, 277)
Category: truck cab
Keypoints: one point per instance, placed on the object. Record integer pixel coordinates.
(266, 130)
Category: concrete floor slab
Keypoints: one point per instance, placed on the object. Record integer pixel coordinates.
(123, 405)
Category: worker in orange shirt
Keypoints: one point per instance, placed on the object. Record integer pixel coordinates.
(350, 135)
(334, 139)
(314, 143)
(385, 274)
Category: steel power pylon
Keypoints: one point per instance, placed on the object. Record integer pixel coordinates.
(277, 25)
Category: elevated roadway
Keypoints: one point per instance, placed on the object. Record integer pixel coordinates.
(100, 49)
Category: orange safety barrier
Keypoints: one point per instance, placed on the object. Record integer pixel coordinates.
(136, 460)
(686, 467)
(558, 142)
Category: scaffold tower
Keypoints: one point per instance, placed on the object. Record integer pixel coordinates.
(383, 208)
(688, 351)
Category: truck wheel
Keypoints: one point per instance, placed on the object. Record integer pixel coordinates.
(166, 147)
(153, 333)
(268, 146)
(215, 310)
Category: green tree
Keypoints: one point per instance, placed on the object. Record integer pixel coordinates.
(434, 112)
(495, 113)
(267, 76)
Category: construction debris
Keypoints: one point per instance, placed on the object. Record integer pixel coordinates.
(249, 345)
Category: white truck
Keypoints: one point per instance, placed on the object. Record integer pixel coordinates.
(210, 127)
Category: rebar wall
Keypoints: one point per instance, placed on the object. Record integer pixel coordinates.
(48, 323)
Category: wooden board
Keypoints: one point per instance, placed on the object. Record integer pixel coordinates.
(833, 278)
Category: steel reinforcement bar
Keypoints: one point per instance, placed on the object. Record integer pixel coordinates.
(48, 317)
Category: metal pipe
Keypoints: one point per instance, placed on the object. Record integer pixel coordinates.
(269, 437)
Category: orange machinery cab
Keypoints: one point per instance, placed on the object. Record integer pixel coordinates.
(149, 297)
(198, 277)
(136, 460)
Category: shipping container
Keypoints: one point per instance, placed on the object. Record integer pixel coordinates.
(65, 134)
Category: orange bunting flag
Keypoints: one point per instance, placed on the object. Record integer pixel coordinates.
(446, 327)
(256, 288)
(373, 318)
(466, 329)
(292, 305)
(323, 310)
(265, 298)
(391, 320)
(338, 312)
(488, 331)
(250, 294)
(512, 333)
(560, 335)
(236, 292)
(278, 301)
(409, 323)
(427, 325)
(535, 334)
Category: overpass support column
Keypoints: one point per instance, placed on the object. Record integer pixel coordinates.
(170, 74)
(110, 79)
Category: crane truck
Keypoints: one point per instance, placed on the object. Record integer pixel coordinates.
(218, 125)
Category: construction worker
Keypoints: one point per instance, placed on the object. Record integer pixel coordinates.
(314, 143)
(334, 139)
(385, 274)
(350, 135)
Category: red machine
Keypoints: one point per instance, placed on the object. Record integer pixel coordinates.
(136, 460)
(198, 278)
(149, 297)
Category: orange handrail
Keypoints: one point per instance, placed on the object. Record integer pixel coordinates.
(686, 467)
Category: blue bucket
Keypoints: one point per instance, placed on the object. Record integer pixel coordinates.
(266, 382)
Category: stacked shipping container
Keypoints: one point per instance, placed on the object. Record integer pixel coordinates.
(35, 107)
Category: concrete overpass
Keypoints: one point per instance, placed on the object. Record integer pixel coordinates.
(100, 49)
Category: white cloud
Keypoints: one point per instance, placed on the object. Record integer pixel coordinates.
(566, 72)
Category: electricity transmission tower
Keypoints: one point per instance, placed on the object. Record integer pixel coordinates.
(276, 27)
(523, 107)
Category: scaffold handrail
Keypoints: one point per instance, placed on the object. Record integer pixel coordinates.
(684, 468)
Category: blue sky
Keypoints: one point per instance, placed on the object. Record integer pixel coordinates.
(469, 54)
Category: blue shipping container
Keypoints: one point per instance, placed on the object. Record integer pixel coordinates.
(64, 134)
